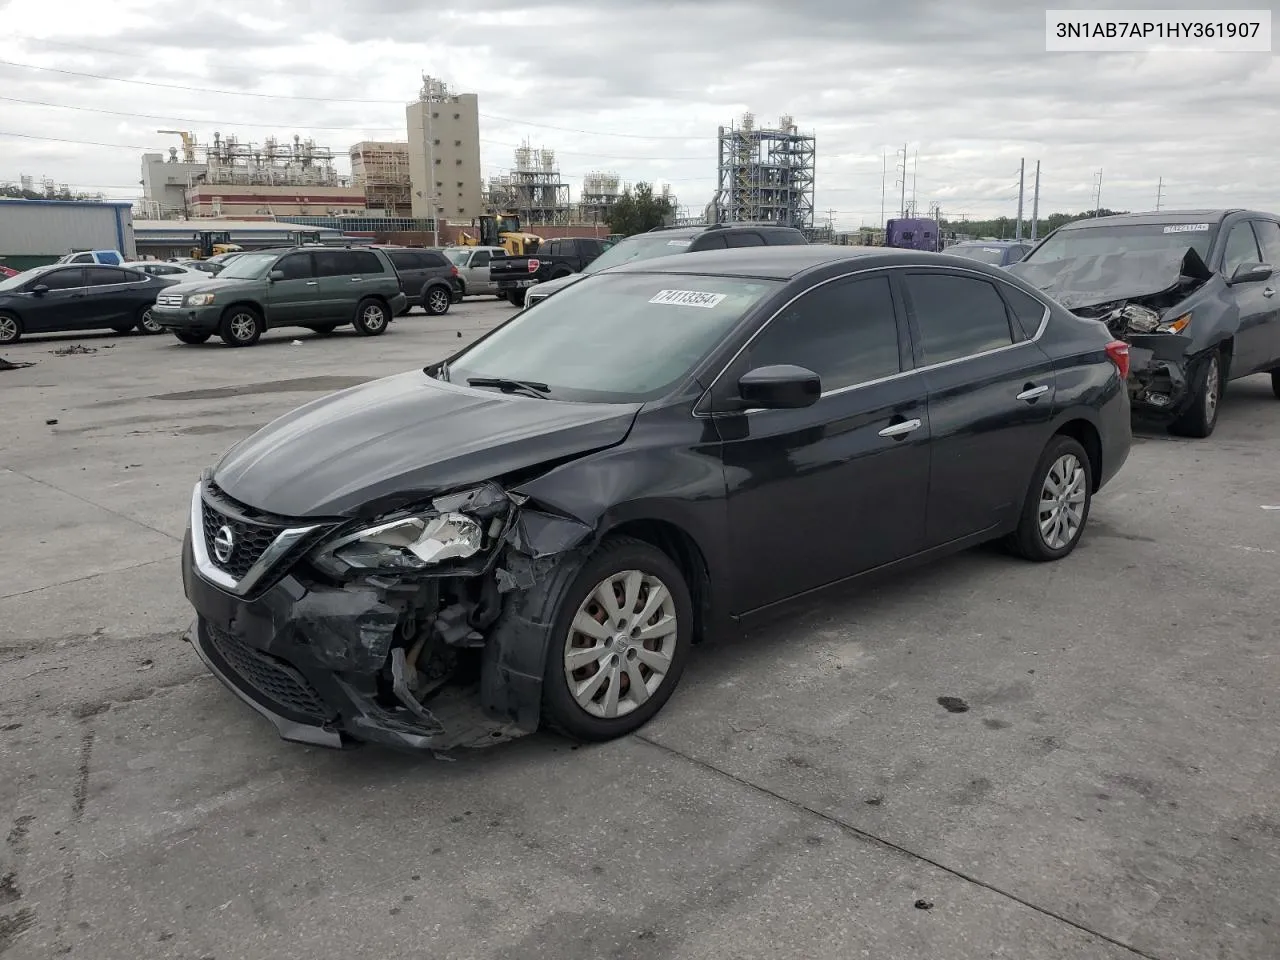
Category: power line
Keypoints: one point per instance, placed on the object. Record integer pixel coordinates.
(281, 96)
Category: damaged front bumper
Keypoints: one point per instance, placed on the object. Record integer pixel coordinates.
(1159, 373)
(436, 660)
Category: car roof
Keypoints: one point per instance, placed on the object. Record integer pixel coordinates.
(786, 262)
(699, 228)
(987, 243)
(1156, 216)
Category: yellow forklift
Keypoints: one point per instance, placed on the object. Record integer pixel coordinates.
(502, 230)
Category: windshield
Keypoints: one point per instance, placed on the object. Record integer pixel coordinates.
(978, 252)
(1125, 238)
(643, 247)
(621, 338)
(458, 257)
(14, 282)
(248, 266)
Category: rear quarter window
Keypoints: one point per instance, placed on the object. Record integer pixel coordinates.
(1026, 309)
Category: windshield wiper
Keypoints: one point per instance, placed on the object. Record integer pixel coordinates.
(530, 388)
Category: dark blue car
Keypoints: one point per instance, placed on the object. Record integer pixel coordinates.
(998, 253)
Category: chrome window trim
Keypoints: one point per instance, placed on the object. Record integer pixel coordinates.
(282, 543)
(947, 270)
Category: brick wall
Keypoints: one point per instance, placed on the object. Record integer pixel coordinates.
(449, 233)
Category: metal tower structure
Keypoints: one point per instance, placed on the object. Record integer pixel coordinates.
(533, 188)
(766, 175)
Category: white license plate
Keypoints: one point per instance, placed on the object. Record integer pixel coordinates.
(525, 283)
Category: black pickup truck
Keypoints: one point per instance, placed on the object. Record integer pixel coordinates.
(554, 259)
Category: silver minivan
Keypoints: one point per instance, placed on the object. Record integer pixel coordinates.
(473, 268)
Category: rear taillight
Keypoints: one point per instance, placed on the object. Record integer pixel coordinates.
(1118, 353)
(454, 271)
(534, 265)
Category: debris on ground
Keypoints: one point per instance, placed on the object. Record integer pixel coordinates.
(50, 422)
(923, 904)
(953, 704)
(10, 365)
(74, 348)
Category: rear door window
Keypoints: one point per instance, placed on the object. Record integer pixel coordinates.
(714, 242)
(744, 238)
(106, 276)
(957, 316)
(405, 260)
(364, 262)
(1026, 309)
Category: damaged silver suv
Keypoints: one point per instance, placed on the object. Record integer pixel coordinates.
(1192, 292)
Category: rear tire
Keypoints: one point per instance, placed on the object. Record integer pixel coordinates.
(372, 317)
(1201, 416)
(187, 336)
(241, 326)
(1056, 509)
(10, 328)
(147, 323)
(516, 297)
(436, 301)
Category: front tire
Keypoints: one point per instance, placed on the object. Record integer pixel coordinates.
(241, 327)
(187, 336)
(10, 328)
(147, 323)
(619, 640)
(372, 318)
(1201, 416)
(436, 300)
(1057, 504)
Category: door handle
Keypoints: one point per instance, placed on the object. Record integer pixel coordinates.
(356, 279)
(900, 429)
(312, 283)
(1269, 292)
(1031, 393)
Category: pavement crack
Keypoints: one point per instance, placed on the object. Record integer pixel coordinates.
(79, 798)
(862, 834)
(86, 500)
(88, 576)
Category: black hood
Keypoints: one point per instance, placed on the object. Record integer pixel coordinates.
(403, 438)
(1090, 281)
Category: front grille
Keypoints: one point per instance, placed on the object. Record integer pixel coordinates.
(270, 677)
(249, 538)
(169, 300)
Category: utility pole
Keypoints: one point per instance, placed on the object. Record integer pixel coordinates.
(1097, 193)
(884, 173)
(1022, 184)
(1159, 191)
(904, 181)
(1035, 204)
(915, 166)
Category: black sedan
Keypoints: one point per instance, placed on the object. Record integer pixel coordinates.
(69, 297)
(537, 528)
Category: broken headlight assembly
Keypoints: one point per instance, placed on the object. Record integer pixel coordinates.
(1178, 324)
(403, 545)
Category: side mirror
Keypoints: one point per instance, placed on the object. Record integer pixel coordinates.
(275, 275)
(1251, 272)
(39, 290)
(780, 387)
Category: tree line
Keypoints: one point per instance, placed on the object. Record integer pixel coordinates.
(1006, 228)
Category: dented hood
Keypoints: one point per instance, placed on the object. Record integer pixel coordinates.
(402, 438)
(1090, 281)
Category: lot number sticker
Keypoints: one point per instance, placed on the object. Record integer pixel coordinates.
(1187, 228)
(687, 298)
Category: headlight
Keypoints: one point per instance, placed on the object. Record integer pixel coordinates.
(199, 299)
(1175, 326)
(403, 545)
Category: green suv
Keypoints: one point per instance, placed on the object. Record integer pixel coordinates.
(320, 288)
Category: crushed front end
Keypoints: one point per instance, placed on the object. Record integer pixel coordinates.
(1159, 353)
(407, 631)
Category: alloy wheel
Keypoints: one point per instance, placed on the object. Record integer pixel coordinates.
(148, 322)
(374, 317)
(1212, 390)
(620, 644)
(243, 326)
(439, 301)
(8, 329)
(1062, 501)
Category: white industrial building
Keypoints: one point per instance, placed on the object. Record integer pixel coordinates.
(33, 232)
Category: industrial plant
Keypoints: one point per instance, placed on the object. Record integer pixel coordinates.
(533, 188)
(765, 175)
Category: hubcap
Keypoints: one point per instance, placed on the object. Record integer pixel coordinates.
(373, 318)
(1062, 502)
(438, 300)
(8, 329)
(1211, 381)
(242, 326)
(620, 644)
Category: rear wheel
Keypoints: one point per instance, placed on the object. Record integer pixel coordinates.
(1057, 504)
(147, 322)
(241, 326)
(1201, 416)
(436, 300)
(516, 297)
(10, 328)
(372, 318)
(187, 336)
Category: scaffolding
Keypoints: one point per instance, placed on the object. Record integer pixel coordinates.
(533, 189)
(766, 175)
(381, 170)
(229, 160)
(600, 191)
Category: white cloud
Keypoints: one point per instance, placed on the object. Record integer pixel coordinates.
(640, 87)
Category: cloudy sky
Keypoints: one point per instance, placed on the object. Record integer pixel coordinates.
(639, 87)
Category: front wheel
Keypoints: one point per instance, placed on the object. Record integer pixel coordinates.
(147, 322)
(1201, 416)
(241, 327)
(187, 336)
(371, 318)
(1057, 504)
(10, 328)
(437, 300)
(620, 637)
